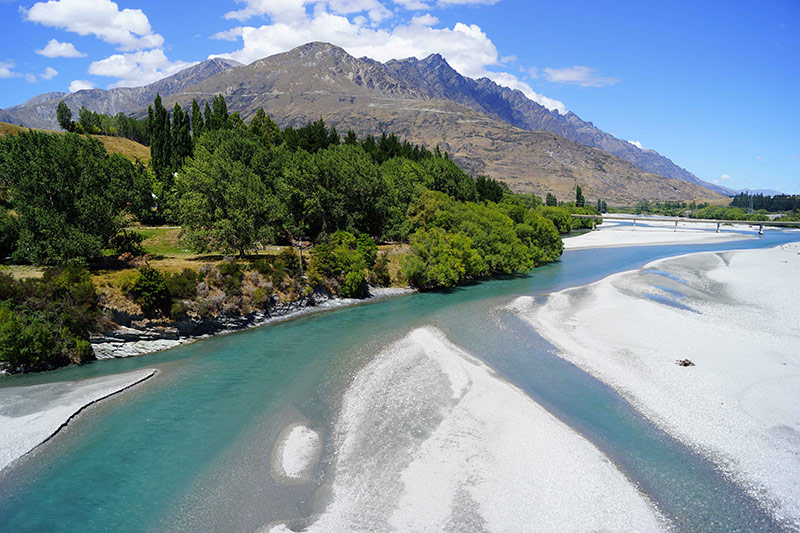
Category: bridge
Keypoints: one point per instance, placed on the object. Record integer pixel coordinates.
(761, 224)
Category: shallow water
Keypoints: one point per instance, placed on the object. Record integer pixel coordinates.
(191, 449)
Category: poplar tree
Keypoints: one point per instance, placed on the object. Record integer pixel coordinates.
(159, 130)
(197, 119)
(64, 116)
(579, 199)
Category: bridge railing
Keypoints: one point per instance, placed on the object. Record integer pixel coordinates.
(760, 223)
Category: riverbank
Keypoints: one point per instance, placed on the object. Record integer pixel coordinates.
(141, 337)
(705, 346)
(32, 415)
(613, 234)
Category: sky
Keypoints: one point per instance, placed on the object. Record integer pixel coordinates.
(713, 85)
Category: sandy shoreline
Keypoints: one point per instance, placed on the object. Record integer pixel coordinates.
(611, 234)
(32, 415)
(734, 316)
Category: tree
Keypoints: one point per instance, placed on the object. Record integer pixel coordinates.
(226, 197)
(197, 120)
(160, 133)
(64, 116)
(71, 197)
(579, 199)
(551, 200)
(263, 127)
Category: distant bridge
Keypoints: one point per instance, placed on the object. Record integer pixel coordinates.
(676, 220)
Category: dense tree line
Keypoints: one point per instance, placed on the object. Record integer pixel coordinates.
(119, 125)
(774, 204)
(65, 197)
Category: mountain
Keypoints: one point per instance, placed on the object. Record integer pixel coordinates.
(40, 111)
(442, 81)
(430, 103)
(485, 128)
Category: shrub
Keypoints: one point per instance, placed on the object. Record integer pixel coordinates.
(128, 242)
(182, 285)
(150, 291)
(380, 271)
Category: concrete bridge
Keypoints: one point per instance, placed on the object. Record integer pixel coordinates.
(676, 220)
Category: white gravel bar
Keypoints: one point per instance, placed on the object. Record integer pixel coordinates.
(613, 234)
(431, 439)
(734, 315)
(30, 415)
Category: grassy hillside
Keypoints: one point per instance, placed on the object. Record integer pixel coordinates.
(114, 145)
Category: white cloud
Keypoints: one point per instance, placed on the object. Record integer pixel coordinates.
(637, 144)
(49, 73)
(78, 85)
(725, 177)
(467, 2)
(55, 48)
(425, 20)
(465, 46)
(128, 29)
(30, 78)
(578, 75)
(412, 4)
(6, 70)
(137, 68)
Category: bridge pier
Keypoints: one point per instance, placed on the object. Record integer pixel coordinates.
(594, 224)
(676, 226)
(717, 227)
(761, 230)
(634, 224)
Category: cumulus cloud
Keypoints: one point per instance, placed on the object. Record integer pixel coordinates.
(579, 75)
(55, 48)
(725, 177)
(637, 144)
(465, 46)
(127, 29)
(79, 85)
(6, 70)
(49, 73)
(137, 68)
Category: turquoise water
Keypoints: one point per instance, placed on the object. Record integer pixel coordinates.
(189, 450)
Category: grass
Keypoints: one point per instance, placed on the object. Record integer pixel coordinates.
(114, 145)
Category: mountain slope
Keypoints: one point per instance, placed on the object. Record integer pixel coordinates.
(319, 80)
(442, 81)
(40, 111)
(424, 101)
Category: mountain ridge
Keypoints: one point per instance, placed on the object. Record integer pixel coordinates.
(423, 100)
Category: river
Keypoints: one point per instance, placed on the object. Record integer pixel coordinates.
(190, 449)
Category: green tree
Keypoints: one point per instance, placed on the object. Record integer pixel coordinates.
(551, 200)
(579, 199)
(263, 127)
(64, 116)
(226, 195)
(160, 133)
(150, 291)
(197, 120)
(70, 195)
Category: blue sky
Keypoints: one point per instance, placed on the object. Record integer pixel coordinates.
(714, 85)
